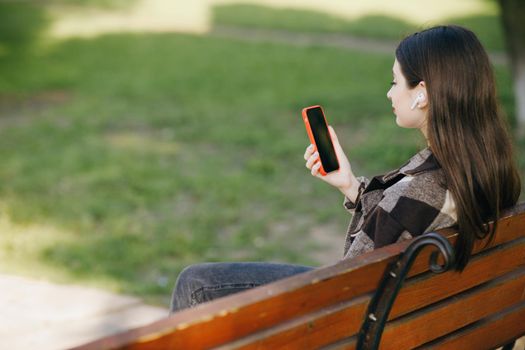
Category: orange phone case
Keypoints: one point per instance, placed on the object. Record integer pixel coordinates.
(311, 135)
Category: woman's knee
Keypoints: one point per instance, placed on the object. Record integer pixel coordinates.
(191, 275)
(189, 280)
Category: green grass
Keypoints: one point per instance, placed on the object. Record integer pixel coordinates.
(127, 157)
(486, 26)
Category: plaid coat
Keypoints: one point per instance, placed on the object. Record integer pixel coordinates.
(406, 202)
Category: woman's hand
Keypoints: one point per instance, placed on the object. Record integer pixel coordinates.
(343, 179)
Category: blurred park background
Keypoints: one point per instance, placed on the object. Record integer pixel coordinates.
(140, 136)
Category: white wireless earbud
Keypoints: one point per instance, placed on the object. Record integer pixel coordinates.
(420, 97)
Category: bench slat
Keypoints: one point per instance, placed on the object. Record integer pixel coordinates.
(482, 267)
(438, 320)
(502, 328)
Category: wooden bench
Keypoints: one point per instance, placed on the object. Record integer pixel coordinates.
(481, 308)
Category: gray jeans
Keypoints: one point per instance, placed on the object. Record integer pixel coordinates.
(208, 281)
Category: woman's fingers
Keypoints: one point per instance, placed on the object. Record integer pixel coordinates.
(314, 158)
(315, 169)
(309, 151)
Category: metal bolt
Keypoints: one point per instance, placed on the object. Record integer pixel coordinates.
(372, 317)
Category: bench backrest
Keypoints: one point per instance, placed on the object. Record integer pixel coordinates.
(325, 308)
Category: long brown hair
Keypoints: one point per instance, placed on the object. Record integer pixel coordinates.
(465, 128)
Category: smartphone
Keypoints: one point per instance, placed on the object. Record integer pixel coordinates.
(317, 130)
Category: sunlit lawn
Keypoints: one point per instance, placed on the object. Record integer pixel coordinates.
(127, 157)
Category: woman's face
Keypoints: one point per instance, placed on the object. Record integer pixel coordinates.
(403, 98)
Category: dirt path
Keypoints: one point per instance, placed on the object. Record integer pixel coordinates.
(342, 41)
(41, 315)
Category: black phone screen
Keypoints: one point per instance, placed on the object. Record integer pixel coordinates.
(322, 138)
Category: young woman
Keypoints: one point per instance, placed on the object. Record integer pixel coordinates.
(442, 85)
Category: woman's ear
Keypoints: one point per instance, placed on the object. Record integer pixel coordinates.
(422, 94)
